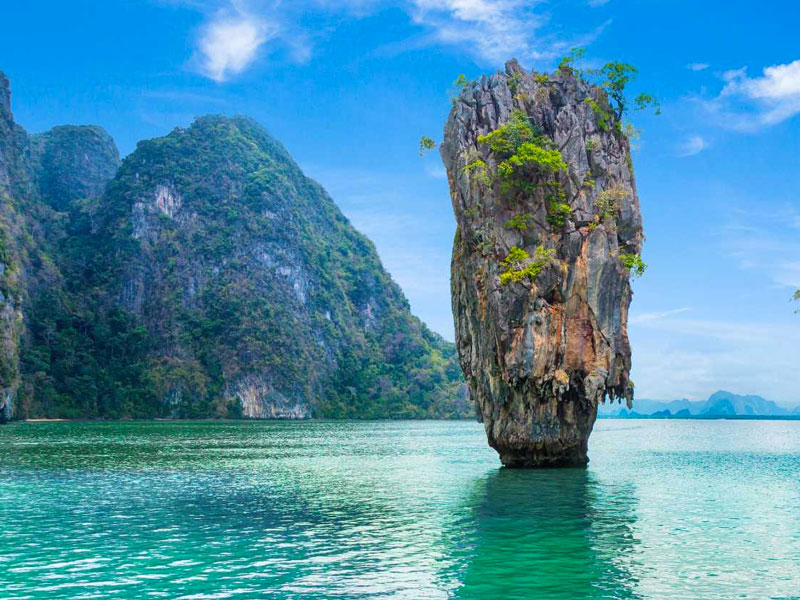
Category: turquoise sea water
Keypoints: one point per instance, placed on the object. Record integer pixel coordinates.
(412, 510)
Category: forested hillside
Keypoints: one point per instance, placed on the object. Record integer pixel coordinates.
(204, 276)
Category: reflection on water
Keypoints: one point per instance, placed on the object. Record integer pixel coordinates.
(341, 511)
(549, 534)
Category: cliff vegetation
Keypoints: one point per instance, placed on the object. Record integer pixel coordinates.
(202, 276)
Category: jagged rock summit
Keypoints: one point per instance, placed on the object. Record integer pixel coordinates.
(549, 230)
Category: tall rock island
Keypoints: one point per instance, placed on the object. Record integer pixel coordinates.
(549, 231)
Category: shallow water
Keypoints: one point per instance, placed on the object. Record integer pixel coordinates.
(413, 510)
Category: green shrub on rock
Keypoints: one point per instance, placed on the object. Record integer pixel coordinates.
(634, 263)
(519, 265)
(519, 222)
(520, 147)
(558, 214)
(426, 144)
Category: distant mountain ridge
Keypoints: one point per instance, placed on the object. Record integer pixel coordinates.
(719, 404)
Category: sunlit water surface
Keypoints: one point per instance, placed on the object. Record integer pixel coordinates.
(413, 510)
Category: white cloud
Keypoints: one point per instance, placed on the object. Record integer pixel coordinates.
(668, 366)
(657, 316)
(706, 329)
(490, 31)
(676, 357)
(778, 90)
(765, 239)
(694, 144)
(777, 83)
(230, 43)
(697, 66)
(751, 103)
(743, 334)
(493, 31)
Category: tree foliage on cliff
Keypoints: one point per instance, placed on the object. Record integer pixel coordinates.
(613, 79)
(519, 147)
(519, 264)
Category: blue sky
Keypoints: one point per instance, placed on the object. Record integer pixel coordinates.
(350, 86)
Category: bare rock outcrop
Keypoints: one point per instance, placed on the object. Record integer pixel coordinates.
(549, 230)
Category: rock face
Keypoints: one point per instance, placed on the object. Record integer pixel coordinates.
(202, 276)
(45, 181)
(257, 295)
(73, 163)
(15, 182)
(549, 228)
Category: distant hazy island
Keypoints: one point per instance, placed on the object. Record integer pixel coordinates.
(720, 405)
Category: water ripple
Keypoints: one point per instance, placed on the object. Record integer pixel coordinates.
(402, 510)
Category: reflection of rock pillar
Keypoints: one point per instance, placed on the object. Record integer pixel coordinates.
(554, 534)
(548, 228)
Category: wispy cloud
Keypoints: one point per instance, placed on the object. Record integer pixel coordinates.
(657, 316)
(694, 144)
(708, 329)
(237, 32)
(743, 334)
(669, 367)
(697, 66)
(491, 30)
(758, 239)
(751, 103)
(678, 357)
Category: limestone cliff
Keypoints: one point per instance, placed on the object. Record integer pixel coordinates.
(256, 295)
(45, 182)
(205, 275)
(549, 229)
(14, 181)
